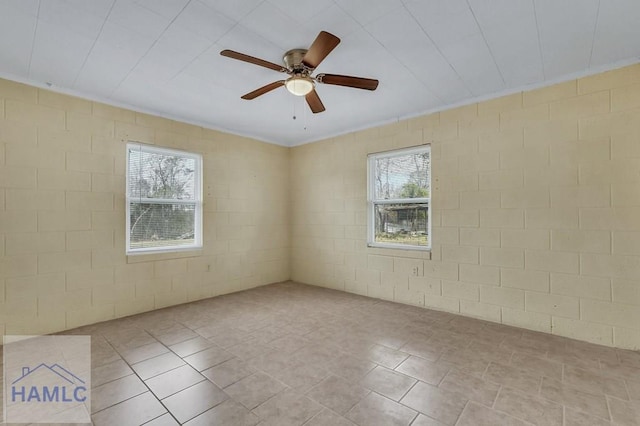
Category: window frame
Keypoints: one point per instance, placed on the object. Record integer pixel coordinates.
(372, 202)
(197, 231)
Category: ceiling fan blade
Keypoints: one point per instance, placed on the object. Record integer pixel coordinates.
(320, 48)
(252, 60)
(348, 81)
(314, 102)
(264, 89)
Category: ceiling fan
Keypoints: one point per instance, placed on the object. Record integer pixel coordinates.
(300, 64)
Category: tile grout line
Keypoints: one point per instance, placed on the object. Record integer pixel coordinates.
(134, 373)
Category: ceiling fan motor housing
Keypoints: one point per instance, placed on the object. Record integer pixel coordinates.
(293, 60)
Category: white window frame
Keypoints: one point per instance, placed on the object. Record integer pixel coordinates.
(197, 232)
(372, 202)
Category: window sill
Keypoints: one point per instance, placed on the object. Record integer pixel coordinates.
(150, 257)
(424, 254)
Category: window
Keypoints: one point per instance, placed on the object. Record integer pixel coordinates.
(164, 199)
(399, 197)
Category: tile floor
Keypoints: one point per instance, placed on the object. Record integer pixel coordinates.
(290, 354)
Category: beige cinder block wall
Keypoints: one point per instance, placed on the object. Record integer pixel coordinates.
(62, 214)
(536, 211)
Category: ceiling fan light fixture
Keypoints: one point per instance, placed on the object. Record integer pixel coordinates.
(299, 86)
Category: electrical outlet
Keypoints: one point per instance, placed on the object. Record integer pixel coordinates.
(208, 267)
(415, 271)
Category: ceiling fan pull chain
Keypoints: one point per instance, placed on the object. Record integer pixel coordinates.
(304, 118)
(293, 103)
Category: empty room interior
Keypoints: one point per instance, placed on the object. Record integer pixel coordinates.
(329, 212)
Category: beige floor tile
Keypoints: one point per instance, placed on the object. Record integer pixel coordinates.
(591, 382)
(132, 412)
(214, 329)
(254, 390)
(354, 345)
(177, 335)
(556, 391)
(301, 375)
(436, 403)
(490, 351)
(478, 415)
(208, 358)
(388, 383)
(141, 353)
(287, 408)
(227, 413)
(228, 372)
(423, 369)
(472, 387)
(465, 325)
(157, 365)
(350, 368)
(394, 340)
(316, 354)
(163, 420)
(376, 410)
(449, 339)
(514, 377)
(268, 334)
(600, 352)
(289, 343)
(423, 420)
(248, 349)
(156, 322)
(109, 372)
(103, 353)
(129, 338)
(387, 357)
(530, 408)
(194, 400)
(465, 361)
(578, 418)
(622, 371)
(424, 349)
(271, 362)
(191, 346)
(526, 345)
(328, 418)
(624, 412)
(536, 365)
(323, 334)
(492, 335)
(568, 356)
(230, 337)
(337, 394)
(116, 391)
(633, 387)
(173, 381)
(629, 358)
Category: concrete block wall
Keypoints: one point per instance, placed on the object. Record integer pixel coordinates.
(535, 211)
(62, 214)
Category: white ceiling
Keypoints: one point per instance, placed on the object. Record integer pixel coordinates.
(162, 56)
